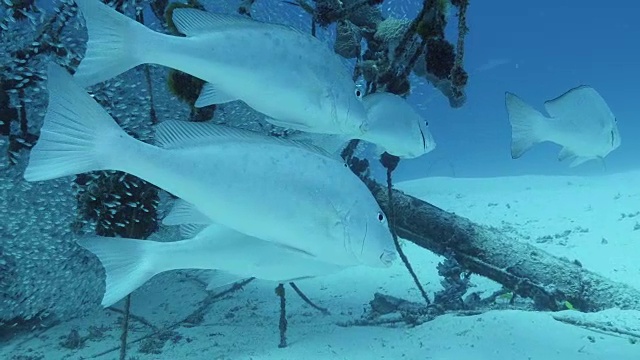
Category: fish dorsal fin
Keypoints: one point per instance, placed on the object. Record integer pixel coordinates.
(188, 231)
(219, 278)
(192, 22)
(195, 22)
(211, 95)
(173, 134)
(579, 102)
(184, 212)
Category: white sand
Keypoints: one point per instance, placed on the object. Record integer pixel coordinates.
(577, 213)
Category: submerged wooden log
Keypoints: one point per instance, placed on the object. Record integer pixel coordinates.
(525, 269)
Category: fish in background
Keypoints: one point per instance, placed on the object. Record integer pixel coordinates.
(293, 78)
(129, 263)
(270, 188)
(393, 125)
(580, 121)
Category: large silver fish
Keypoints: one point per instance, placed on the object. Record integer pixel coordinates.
(581, 122)
(273, 189)
(293, 78)
(393, 125)
(129, 263)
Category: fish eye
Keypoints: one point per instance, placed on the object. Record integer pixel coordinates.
(380, 217)
(426, 122)
(358, 93)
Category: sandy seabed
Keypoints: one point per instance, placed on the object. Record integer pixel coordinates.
(595, 220)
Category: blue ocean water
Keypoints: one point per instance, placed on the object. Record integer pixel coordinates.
(50, 289)
(539, 50)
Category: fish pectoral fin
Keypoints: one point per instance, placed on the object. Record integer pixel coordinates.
(296, 125)
(188, 231)
(184, 212)
(602, 163)
(211, 95)
(191, 220)
(579, 160)
(332, 144)
(195, 22)
(565, 153)
(219, 278)
(296, 250)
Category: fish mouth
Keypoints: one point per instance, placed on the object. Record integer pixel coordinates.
(387, 257)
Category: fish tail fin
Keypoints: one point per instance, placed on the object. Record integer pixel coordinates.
(526, 125)
(128, 263)
(115, 43)
(77, 136)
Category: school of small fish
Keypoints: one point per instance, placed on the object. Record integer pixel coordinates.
(310, 215)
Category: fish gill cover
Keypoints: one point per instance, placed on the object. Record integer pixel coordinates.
(45, 277)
